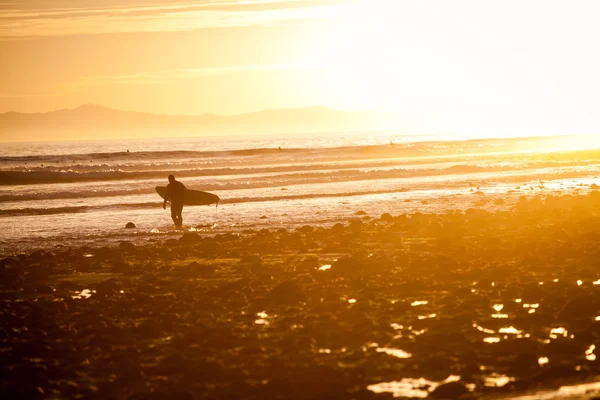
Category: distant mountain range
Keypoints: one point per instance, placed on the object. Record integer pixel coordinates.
(96, 122)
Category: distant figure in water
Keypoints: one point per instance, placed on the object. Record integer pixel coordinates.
(175, 193)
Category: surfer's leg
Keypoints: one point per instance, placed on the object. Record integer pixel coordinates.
(176, 213)
(179, 211)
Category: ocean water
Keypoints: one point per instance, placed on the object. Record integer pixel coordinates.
(84, 193)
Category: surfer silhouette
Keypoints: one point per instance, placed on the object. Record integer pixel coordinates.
(175, 193)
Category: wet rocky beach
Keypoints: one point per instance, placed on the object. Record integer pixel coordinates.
(461, 304)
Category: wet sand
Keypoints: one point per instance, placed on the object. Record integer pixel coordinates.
(451, 305)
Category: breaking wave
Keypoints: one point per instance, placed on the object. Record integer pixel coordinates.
(240, 178)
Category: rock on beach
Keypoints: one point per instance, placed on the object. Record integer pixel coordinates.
(508, 297)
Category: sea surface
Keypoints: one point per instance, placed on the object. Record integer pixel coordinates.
(85, 192)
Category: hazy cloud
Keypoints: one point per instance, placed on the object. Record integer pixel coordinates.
(164, 17)
(158, 77)
(27, 95)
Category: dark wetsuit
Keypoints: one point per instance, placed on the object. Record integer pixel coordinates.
(175, 193)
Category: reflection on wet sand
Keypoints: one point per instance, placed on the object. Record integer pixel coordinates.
(510, 330)
(262, 320)
(497, 380)
(410, 387)
(84, 294)
(560, 331)
(589, 353)
(395, 352)
(571, 392)
(492, 339)
(440, 305)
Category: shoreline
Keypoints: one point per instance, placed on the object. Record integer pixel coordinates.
(321, 210)
(507, 300)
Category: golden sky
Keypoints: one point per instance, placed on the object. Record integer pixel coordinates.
(511, 65)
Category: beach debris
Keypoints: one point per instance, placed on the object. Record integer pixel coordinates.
(356, 225)
(386, 217)
(194, 269)
(295, 315)
(10, 262)
(252, 261)
(451, 390)
(288, 292)
(578, 306)
(10, 269)
(190, 238)
(309, 264)
(68, 285)
(305, 229)
(126, 245)
(349, 265)
(44, 289)
(107, 287)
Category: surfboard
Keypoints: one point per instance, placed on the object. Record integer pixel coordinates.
(192, 197)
